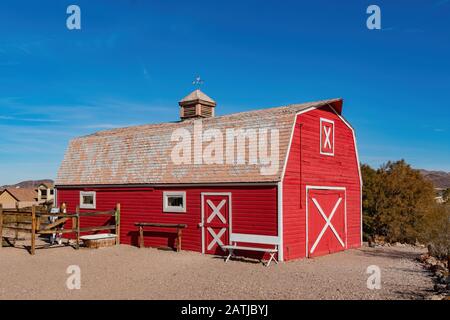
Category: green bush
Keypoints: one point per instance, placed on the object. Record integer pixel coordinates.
(399, 205)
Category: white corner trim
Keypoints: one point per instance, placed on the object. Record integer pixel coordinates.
(202, 221)
(280, 221)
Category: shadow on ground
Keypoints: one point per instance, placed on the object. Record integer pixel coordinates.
(392, 253)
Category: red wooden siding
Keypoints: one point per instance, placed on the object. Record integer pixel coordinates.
(306, 166)
(254, 211)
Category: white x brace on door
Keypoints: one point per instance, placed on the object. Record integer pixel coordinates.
(215, 224)
(326, 220)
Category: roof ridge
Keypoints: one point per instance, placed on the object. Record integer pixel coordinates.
(291, 107)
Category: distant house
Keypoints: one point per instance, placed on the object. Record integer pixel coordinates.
(23, 197)
(45, 192)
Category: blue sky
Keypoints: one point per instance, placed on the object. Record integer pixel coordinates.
(133, 60)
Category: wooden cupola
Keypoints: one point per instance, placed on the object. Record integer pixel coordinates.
(196, 105)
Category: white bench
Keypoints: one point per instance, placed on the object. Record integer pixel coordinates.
(256, 239)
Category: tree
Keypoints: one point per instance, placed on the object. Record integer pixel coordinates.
(436, 231)
(396, 200)
(371, 193)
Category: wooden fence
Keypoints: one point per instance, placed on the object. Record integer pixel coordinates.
(36, 220)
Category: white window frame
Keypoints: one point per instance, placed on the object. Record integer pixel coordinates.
(88, 206)
(321, 142)
(170, 209)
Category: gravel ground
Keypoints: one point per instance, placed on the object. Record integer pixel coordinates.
(126, 272)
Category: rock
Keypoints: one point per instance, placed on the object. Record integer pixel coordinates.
(432, 261)
(438, 268)
(439, 287)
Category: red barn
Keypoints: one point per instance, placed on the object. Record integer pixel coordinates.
(287, 176)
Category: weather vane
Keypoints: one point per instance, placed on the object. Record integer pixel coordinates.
(198, 82)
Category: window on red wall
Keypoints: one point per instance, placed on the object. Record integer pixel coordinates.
(87, 200)
(326, 137)
(174, 201)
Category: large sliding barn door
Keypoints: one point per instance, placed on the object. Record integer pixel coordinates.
(215, 222)
(326, 216)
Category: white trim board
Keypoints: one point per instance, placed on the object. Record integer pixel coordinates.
(309, 187)
(280, 221)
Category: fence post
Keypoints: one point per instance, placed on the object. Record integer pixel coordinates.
(77, 211)
(33, 229)
(1, 226)
(117, 219)
(16, 219)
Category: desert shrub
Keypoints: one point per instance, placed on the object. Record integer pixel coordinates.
(435, 231)
(397, 201)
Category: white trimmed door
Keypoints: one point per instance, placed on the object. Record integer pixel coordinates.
(327, 231)
(215, 222)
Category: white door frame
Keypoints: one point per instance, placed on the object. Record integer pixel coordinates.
(203, 194)
(307, 213)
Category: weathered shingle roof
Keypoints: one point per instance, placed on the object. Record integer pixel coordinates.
(22, 194)
(142, 154)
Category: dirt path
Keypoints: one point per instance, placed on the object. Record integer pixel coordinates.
(126, 272)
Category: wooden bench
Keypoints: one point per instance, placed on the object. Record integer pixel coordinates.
(141, 226)
(252, 239)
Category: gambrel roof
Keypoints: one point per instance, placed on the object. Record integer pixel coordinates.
(142, 154)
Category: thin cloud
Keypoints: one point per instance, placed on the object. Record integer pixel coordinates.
(28, 119)
(388, 29)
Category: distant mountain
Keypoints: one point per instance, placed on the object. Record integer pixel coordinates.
(27, 184)
(440, 179)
